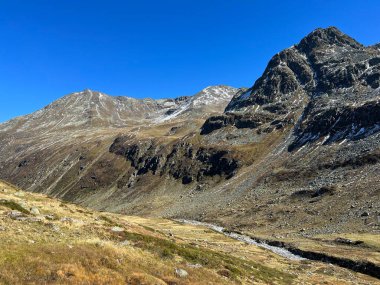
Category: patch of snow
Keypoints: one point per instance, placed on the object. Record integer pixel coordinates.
(325, 139)
(164, 118)
(343, 141)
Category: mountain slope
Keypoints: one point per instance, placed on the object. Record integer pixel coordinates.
(297, 154)
(322, 97)
(72, 133)
(92, 109)
(43, 240)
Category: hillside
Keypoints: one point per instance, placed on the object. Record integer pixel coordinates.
(68, 139)
(47, 241)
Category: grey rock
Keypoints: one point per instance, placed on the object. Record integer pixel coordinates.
(181, 273)
(56, 228)
(182, 161)
(71, 220)
(50, 217)
(339, 78)
(38, 219)
(125, 243)
(117, 229)
(19, 194)
(34, 211)
(197, 265)
(15, 215)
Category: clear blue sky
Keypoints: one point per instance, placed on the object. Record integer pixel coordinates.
(166, 48)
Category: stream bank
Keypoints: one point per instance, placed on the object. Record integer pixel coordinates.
(291, 252)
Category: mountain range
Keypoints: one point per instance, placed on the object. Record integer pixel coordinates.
(296, 153)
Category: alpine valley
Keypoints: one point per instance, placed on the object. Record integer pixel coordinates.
(292, 162)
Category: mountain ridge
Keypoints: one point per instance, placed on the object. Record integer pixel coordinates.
(90, 92)
(297, 141)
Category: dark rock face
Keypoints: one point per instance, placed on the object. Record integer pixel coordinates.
(144, 156)
(346, 122)
(181, 161)
(194, 164)
(23, 163)
(329, 76)
(238, 120)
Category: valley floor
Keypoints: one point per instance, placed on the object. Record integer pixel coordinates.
(47, 241)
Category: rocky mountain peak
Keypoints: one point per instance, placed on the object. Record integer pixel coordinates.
(329, 78)
(86, 91)
(214, 94)
(216, 88)
(324, 61)
(211, 99)
(93, 109)
(321, 38)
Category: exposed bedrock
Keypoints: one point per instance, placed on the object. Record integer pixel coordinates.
(182, 160)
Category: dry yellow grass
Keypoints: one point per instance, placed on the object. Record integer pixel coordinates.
(68, 244)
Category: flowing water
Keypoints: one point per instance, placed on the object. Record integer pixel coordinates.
(246, 239)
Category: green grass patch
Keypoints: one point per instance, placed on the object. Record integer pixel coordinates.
(240, 269)
(148, 228)
(108, 221)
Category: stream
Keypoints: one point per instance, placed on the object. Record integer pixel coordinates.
(246, 239)
(297, 254)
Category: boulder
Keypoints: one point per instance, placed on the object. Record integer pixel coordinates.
(181, 273)
(34, 211)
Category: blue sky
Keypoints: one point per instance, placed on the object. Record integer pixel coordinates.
(157, 49)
